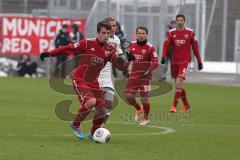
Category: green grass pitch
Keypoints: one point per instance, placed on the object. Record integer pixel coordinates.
(30, 129)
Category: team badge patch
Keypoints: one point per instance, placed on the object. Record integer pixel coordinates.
(76, 44)
(155, 54)
(107, 53)
(144, 51)
(186, 36)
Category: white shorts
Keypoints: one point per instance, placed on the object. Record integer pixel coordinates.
(109, 94)
(105, 78)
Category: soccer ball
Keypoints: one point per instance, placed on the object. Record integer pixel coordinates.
(101, 135)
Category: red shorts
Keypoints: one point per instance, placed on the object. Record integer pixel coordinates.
(86, 91)
(179, 70)
(143, 85)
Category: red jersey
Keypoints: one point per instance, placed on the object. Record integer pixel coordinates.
(93, 57)
(146, 59)
(181, 41)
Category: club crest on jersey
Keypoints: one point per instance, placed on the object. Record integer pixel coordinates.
(138, 57)
(155, 54)
(186, 36)
(107, 53)
(76, 44)
(144, 51)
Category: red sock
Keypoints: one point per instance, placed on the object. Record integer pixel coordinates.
(132, 101)
(146, 108)
(97, 122)
(177, 96)
(184, 98)
(138, 107)
(81, 115)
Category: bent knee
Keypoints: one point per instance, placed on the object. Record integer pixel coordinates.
(91, 102)
(179, 82)
(129, 96)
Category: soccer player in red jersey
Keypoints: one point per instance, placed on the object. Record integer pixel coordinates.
(146, 60)
(181, 39)
(95, 53)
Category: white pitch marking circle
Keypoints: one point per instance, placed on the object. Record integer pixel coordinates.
(166, 130)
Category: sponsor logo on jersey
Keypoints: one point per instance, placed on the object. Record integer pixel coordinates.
(75, 45)
(133, 49)
(174, 36)
(144, 51)
(138, 57)
(96, 60)
(180, 42)
(92, 49)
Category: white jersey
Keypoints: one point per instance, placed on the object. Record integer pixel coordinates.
(105, 78)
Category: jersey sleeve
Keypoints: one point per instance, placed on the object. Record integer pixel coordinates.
(195, 47)
(166, 45)
(118, 61)
(73, 48)
(130, 48)
(118, 47)
(154, 59)
(153, 54)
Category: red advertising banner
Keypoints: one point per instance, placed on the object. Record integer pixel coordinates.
(32, 35)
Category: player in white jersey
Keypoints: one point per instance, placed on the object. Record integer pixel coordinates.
(106, 75)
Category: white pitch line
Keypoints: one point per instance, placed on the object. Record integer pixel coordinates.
(166, 130)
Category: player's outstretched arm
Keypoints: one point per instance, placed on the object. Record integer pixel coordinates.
(73, 49)
(163, 61)
(61, 50)
(166, 47)
(119, 62)
(196, 52)
(200, 66)
(154, 60)
(44, 55)
(153, 66)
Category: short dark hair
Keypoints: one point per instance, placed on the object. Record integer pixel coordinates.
(143, 28)
(24, 54)
(103, 24)
(172, 22)
(180, 15)
(109, 19)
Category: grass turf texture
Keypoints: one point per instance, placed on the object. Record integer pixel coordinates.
(30, 130)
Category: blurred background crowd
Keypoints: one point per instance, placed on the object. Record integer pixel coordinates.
(30, 26)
